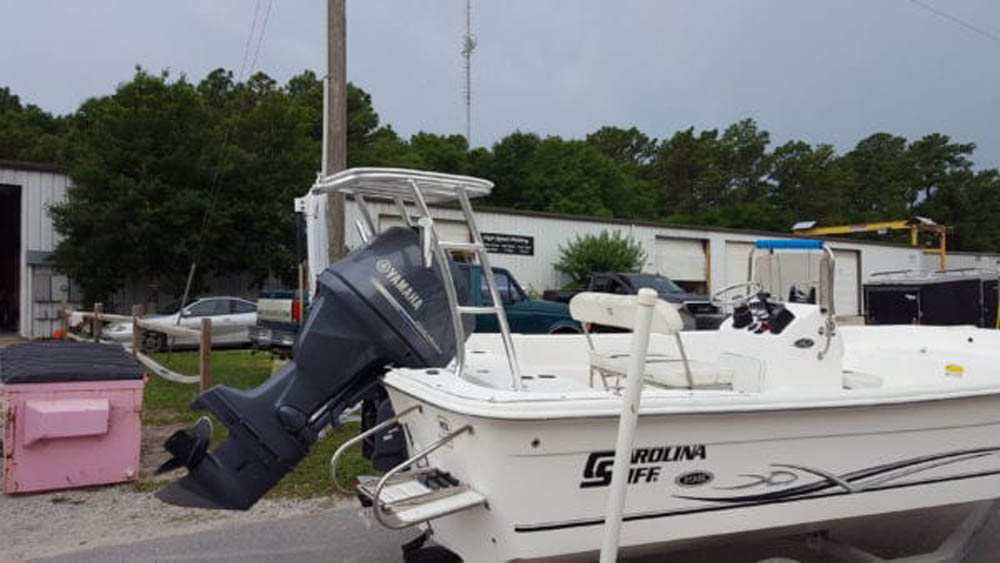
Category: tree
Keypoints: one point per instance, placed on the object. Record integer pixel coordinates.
(207, 173)
(599, 253)
(27, 132)
(141, 182)
(884, 187)
(202, 174)
(440, 153)
(624, 146)
(688, 172)
(809, 184)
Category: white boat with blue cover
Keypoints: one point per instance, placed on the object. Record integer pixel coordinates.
(779, 419)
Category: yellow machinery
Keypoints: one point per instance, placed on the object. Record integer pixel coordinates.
(916, 225)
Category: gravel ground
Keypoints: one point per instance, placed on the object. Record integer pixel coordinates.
(43, 525)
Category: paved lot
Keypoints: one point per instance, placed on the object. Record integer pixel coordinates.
(339, 536)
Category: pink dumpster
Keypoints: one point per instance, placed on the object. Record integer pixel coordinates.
(72, 412)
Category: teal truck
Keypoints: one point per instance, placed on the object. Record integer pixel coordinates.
(524, 314)
(280, 311)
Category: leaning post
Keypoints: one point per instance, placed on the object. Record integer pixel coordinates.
(205, 354)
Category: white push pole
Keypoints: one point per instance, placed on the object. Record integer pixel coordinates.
(626, 424)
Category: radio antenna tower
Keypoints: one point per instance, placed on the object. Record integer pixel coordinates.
(468, 46)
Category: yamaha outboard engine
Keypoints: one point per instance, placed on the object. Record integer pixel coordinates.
(376, 307)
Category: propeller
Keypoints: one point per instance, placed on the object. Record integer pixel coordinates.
(187, 447)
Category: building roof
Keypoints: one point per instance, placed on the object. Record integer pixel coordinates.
(31, 166)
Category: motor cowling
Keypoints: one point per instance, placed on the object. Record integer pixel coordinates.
(377, 307)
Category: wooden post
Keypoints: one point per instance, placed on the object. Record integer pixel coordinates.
(95, 325)
(64, 316)
(137, 331)
(205, 354)
(335, 127)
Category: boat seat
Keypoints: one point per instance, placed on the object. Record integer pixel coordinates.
(860, 380)
(619, 311)
(663, 370)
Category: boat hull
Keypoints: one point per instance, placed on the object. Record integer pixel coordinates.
(700, 475)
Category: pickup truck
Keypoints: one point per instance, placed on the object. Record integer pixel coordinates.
(524, 314)
(279, 313)
(696, 310)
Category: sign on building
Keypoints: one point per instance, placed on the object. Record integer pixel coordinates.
(499, 243)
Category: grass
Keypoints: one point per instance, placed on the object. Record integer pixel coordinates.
(167, 403)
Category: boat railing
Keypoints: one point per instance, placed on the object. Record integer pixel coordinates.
(423, 453)
(420, 190)
(380, 427)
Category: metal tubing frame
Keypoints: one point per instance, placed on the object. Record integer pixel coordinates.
(447, 279)
(441, 186)
(334, 461)
(403, 214)
(484, 262)
(684, 359)
(377, 506)
(366, 214)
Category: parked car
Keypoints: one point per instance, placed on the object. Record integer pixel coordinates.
(696, 309)
(524, 314)
(279, 313)
(231, 317)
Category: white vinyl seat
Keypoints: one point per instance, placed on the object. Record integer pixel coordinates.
(660, 369)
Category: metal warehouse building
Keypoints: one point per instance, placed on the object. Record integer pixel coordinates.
(526, 243)
(30, 291)
(698, 258)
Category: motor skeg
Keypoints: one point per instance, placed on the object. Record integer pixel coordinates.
(377, 306)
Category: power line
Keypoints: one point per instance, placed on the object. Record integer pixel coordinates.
(218, 174)
(956, 20)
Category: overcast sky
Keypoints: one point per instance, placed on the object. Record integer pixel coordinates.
(832, 71)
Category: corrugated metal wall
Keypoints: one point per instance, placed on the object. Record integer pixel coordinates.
(725, 251)
(40, 294)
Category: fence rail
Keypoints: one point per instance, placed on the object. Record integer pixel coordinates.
(139, 327)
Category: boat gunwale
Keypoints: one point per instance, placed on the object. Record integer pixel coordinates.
(520, 407)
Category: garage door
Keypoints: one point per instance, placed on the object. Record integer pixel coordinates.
(737, 255)
(681, 259)
(846, 283)
(455, 231)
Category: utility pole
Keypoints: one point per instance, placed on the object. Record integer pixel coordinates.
(335, 120)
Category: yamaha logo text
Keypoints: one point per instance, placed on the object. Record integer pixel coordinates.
(400, 283)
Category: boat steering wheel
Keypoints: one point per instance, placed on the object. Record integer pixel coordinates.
(752, 288)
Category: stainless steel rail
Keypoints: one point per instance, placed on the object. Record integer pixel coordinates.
(377, 505)
(335, 460)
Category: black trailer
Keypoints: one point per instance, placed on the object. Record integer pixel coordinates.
(951, 297)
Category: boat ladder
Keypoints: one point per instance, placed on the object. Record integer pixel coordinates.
(400, 499)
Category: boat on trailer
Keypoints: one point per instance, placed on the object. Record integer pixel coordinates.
(780, 419)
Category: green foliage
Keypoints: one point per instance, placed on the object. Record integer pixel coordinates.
(167, 172)
(27, 132)
(599, 253)
(158, 156)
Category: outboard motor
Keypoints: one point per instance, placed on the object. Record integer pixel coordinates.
(378, 306)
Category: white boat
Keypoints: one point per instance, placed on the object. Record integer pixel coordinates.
(778, 420)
